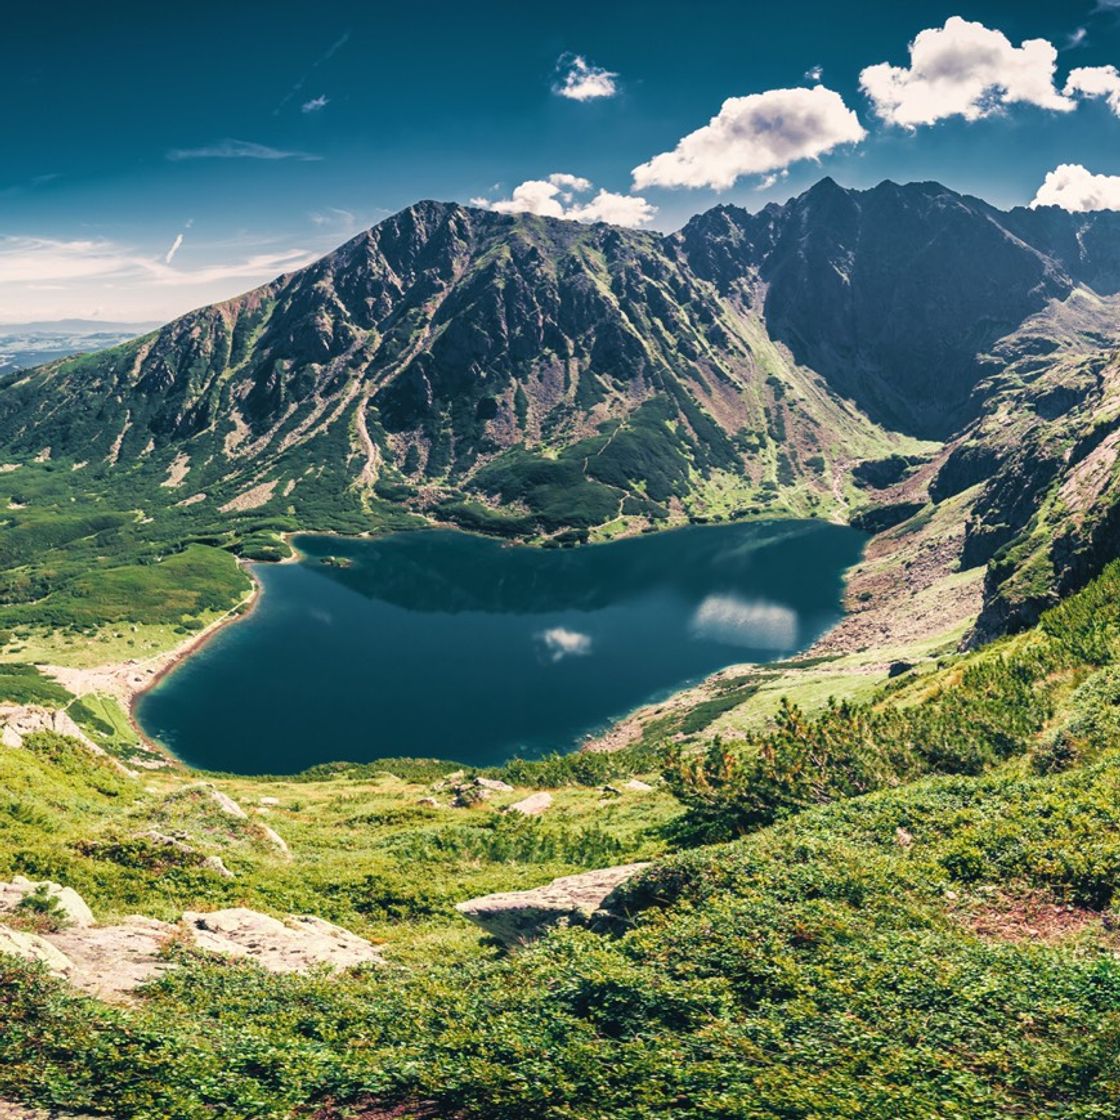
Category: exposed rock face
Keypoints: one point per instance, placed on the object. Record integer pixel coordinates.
(19, 721)
(32, 947)
(515, 917)
(110, 961)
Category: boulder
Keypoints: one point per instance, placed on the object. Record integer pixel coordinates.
(638, 786)
(494, 784)
(215, 864)
(270, 800)
(533, 805)
(226, 803)
(32, 947)
(514, 917)
(69, 902)
(275, 839)
(296, 943)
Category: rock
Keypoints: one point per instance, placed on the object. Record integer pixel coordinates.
(291, 945)
(468, 796)
(515, 917)
(226, 803)
(32, 947)
(898, 668)
(163, 840)
(69, 902)
(275, 839)
(638, 786)
(9, 1111)
(494, 785)
(430, 802)
(215, 864)
(19, 721)
(110, 961)
(612, 791)
(533, 805)
(903, 838)
(270, 800)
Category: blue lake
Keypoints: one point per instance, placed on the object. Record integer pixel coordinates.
(447, 645)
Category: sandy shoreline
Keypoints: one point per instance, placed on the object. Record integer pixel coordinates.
(127, 681)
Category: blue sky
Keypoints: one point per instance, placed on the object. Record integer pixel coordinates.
(157, 158)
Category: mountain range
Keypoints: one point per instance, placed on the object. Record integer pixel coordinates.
(873, 356)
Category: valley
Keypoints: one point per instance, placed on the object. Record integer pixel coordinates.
(868, 438)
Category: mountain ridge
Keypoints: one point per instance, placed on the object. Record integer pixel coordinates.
(545, 379)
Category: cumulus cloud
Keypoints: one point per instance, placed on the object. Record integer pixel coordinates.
(1095, 81)
(555, 197)
(739, 622)
(237, 149)
(1076, 188)
(315, 104)
(169, 256)
(579, 80)
(752, 135)
(560, 642)
(963, 69)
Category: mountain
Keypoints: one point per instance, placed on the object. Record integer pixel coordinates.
(872, 354)
(25, 345)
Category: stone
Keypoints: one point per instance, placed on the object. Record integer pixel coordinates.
(226, 803)
(69, 902)
(533, 805)
(515, 917)
(903, 838)
(638, 786)
(9, 1111)
(215, 864)
(494, 785)
(275, 839)
(111, 961)
(296, 943)
(32, 947)
(430, 802)
(270, 800)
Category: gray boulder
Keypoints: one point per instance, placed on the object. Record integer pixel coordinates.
(515, 917)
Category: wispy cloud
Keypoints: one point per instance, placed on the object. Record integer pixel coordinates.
(315, 104)
(125, 281)
(579, 80)
(333, 217)
(238, 149)
(326, 56)
(814, 73)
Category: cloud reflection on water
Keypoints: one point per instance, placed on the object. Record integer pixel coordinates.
(754, 624)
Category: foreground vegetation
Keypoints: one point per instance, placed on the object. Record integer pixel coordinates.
(916, 917)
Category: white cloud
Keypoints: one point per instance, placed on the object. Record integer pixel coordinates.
(753, 135)
(1076, 188)
(963, 69)
(554, 197)
(175, 245)
(767, 181)
(315, 104)
(737, 622)
(1076, 38)
(128, 283)
(580, 80)
(560, 642)
(814, 73)
(237, 149)
(1096, 81)
(333, 217)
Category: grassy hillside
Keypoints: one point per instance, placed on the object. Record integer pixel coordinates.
(916, 917)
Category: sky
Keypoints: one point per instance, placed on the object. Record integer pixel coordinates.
(155, 158)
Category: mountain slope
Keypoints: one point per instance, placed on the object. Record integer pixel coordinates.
(539, 378)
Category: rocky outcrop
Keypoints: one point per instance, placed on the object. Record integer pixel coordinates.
(515, 917)
(19, 721)
(111, 961)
